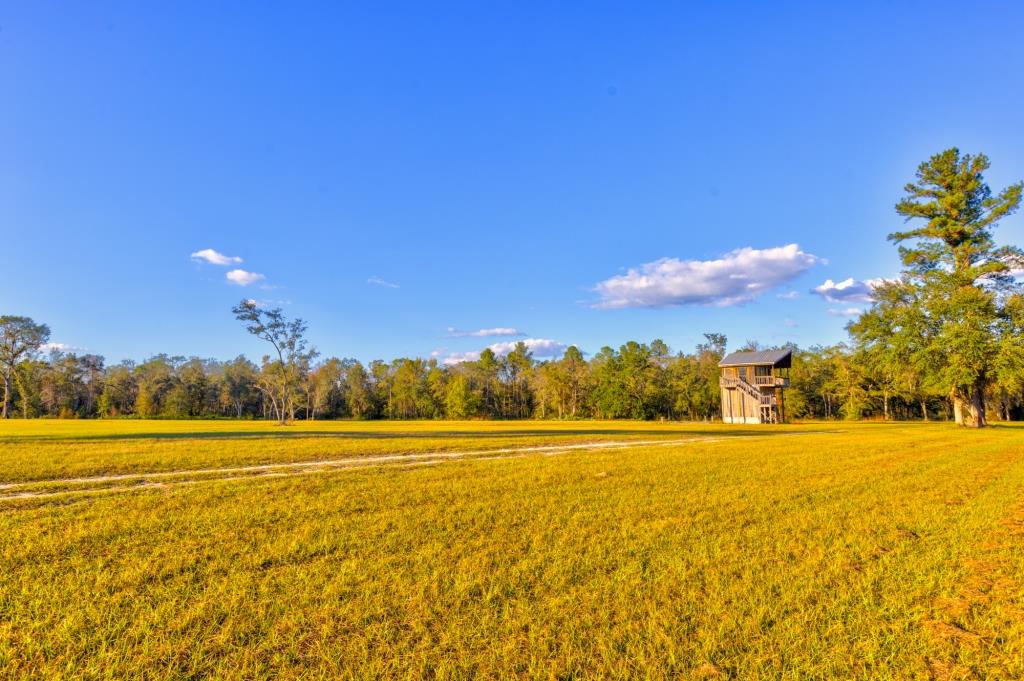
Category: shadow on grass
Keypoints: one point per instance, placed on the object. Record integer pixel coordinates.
(284, 434)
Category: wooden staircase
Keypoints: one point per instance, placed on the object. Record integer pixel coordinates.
(768, 402)
(769, 408)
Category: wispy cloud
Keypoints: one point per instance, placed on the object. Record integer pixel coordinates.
(849, 290)
(737, 277)
(789, 295)
(540, 347)
(497, 331)
(263, 303)
(460, 357)
(377, 281)
(215, 258)
(59, 347)
(789, 323)
(846, 312)
(243, 278)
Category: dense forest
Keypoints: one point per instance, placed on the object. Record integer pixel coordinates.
(944, 340)
(637, 381)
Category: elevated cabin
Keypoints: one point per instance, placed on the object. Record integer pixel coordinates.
(751, 384)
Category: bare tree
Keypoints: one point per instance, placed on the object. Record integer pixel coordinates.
(280, 377)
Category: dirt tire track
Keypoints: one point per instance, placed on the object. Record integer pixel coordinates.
(162, 479)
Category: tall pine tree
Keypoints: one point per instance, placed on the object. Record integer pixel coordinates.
(949, 314)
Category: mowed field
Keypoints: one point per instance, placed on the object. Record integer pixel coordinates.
(230, 549)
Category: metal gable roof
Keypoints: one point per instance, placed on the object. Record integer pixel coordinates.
(780, 359)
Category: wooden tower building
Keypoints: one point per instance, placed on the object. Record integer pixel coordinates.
(751, 384)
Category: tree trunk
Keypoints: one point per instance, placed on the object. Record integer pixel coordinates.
(969, 406)
(885, 405)
(978, 407)
(7, 395)
(958, 409)
(276, 409)
(285, 405)
(924, 410)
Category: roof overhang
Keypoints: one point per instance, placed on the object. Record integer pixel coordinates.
(777, 359)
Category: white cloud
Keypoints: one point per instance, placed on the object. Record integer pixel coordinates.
(264, 303)
(59, 347)
(789, 324)
(214, 258)
(789, 295)
(846, 312)
(460, 357)
(540, 347)
(737, 277)
(377, 281)
(849, 290)
(485, 333)
(243, 278)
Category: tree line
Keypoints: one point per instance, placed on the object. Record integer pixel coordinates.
(634, 381)
(944, 340)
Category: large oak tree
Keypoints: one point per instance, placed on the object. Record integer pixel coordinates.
(20, 338)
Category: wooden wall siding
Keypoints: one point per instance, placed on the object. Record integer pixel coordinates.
(737, 406)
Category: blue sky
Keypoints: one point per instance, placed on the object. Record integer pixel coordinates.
(405, 176)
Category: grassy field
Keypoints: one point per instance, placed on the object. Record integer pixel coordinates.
(539, 550)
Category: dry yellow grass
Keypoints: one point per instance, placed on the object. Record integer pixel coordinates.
(829, 551)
